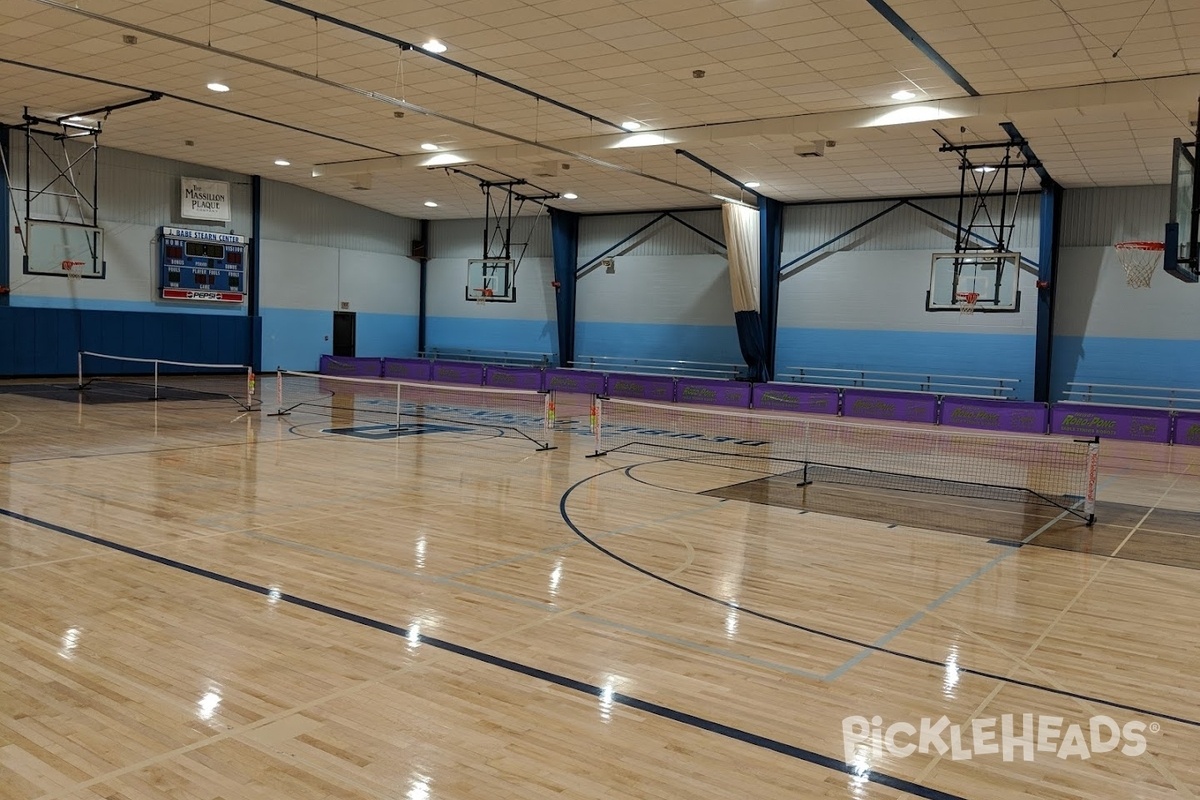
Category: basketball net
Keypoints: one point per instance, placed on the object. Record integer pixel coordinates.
(73, 269)
(1139, 260)
(485, 293)
(966, 302)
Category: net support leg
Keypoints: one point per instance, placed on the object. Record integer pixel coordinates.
(155, 398)
(548, 413)
(804, 481)
(79, 370)
(594, 419)
(1093, 474)
(280, 411)
(396, 426)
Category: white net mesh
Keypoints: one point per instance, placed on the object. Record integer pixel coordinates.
(967, 301)
(114, 378)
(1053, 469)
(401, 405)
(73, 269)
(1139, 260)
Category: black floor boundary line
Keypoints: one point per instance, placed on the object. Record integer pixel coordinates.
(562, 510)
(664, 712)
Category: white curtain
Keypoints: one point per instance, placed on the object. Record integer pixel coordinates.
(741, 242)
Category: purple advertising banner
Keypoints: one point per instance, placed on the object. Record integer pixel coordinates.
(712, 393)
(642, 387)
(458, 372)
(1137, 424)
(571, 380)
(1187, 427)
(796, 397)
(515, 378)
(994, 415)
(899, 406)
(358, 367)
(407, 369)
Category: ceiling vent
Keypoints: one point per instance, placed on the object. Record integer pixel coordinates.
(813, 149)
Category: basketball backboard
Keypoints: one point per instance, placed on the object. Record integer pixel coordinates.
(1180, 251)
(491, 280)
(59, 248)
(991, 275)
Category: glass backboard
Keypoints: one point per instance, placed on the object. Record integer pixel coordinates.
(1180, 254)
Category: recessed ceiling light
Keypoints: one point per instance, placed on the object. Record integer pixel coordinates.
(430, 204)
(429, 146)
(434, 46)
(282, 162)
(903, 94)
(752, 184)
(218, 87)
(631, 125)
(985, 168)
(570, 196)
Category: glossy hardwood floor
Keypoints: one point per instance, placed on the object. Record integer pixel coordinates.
(204, 603)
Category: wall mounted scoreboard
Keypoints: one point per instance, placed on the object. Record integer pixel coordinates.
(201, 265)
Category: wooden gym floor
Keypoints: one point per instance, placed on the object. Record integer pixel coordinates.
(204, 603)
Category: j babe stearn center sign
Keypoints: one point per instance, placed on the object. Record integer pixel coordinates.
(200, 199)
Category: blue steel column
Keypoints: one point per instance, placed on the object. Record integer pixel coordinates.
(423, 288)
(5, 221)
(1049, 234)
(770, 254)
(564, 230)
(254, 279)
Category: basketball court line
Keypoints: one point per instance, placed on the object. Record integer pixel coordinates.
(1021, 662)
(567, 545)
(376, 565)
(846, 639)
(941, 600)
(709, 650)
(546, 676)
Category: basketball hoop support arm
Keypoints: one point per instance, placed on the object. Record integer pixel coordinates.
(498, 214)
(63, 167)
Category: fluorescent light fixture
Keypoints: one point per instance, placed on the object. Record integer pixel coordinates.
(217, 87)
(76, 119)
(906, 115)
(631, 125)
(430, 204)
(442, 159)
(282, 162)
(430, 146)
(903, 94)
(643, 140)
(434, 46)
(570, 196)
(752, 184)
(985, 168)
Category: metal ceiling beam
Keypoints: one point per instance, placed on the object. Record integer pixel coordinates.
(859, 124)
(403, 45)
(918, 41)
(369, 94)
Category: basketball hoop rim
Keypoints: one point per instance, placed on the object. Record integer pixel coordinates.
(1155, 246)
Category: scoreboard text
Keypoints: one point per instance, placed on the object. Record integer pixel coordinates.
(201, 265)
